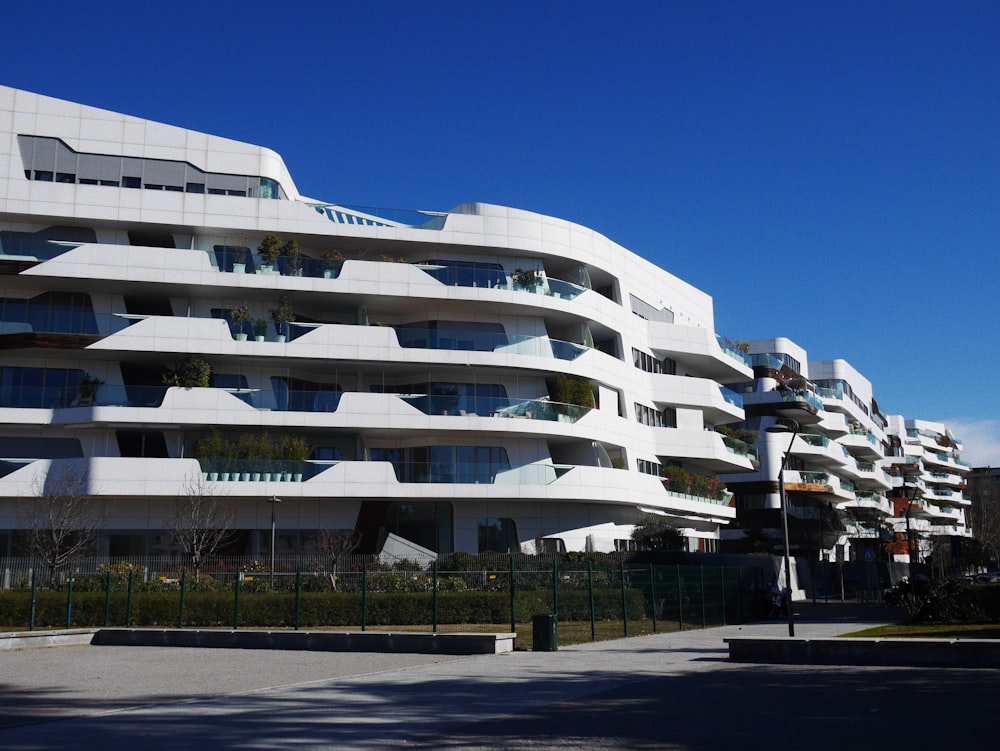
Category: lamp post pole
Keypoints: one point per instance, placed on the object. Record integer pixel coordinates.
(909, 535)
(274, 501)
(784, 427)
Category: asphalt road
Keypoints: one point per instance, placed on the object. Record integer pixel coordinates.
(670, 691)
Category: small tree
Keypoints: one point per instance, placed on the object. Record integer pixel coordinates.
(281, 314)
(61, 520)
(654, 532)
(194, 373)
(293, 253)
(336, 545)
(269, 249)
(239, 316)
(198, 523)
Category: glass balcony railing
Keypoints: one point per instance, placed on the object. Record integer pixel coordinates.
(731, 397)
(496, 279)
(764, 360)
(478, 473)
(788, 395)
(261, 470)
(487, 341)
(814, 478)
(12, 465)
(35, 397)
(381, 217)
(242, 261)
(538, 409)
(733, 351)
(723, 501)
(152, 396)
(814, 439)
(736, 446)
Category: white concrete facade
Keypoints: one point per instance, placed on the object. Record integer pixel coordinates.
(422, 367)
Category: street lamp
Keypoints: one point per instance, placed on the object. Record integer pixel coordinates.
(274, 501)
(786, 426)
(909, 538)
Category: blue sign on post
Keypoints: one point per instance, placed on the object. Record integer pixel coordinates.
(868, 555)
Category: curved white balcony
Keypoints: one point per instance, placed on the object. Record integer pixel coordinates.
(697, 350)
(704, 449)
(159, 479)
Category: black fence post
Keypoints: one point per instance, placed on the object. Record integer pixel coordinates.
(69, 601)
(128, 603)
(590, 586)
(704, 619)
(236, 603)
(680, 600)
(34, 600)
(624, 603)
(180, 606)
(434, 585)
(555, 587)
(107, 599)
(298, 599)
(513, 604)
(364, 593)
(722, 579)
(652, 594)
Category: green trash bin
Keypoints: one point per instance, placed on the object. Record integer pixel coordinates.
(545, 632)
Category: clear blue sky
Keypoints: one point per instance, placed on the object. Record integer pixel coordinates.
(827, 171)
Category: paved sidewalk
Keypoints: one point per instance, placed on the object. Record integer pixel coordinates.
(667, 691)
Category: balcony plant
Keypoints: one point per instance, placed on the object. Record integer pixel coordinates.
(293, 257)
(239, 260)
(193, 373)
(210, 451)
(269, 251)
(294, 451)
(575, 391)
(239, 316)
(332, 261)
(259, 329)
(88, 389)
(282, 314)
(523, 278)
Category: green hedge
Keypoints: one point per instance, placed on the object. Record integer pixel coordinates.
(275, 610)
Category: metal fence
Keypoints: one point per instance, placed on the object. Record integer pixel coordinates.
(608, 597)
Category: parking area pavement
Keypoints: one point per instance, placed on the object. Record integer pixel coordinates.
(665, 691)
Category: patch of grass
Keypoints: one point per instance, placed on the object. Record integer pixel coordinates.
(930, 631)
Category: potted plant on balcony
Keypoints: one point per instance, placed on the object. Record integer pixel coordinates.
(239, 261)
(239, 316)
(259, 329)
(333, 261)
(209, 451)
(269, 250)
(88, 389)
(193, 373)
(282, 315)
(293, 257)
(294, 453)
(523, 278)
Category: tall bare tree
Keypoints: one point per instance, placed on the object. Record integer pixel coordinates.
(61, 520)
(199, 523)
(984, 516)
(336, 545)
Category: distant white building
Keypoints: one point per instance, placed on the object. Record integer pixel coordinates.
(934, 502)
(479, 379)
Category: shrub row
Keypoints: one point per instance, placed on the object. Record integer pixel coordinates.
(274, 610)
(947, 601)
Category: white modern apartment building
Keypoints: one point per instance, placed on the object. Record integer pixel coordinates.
(859, 484)
(479, 379)
(834, 480)
(934, 503)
